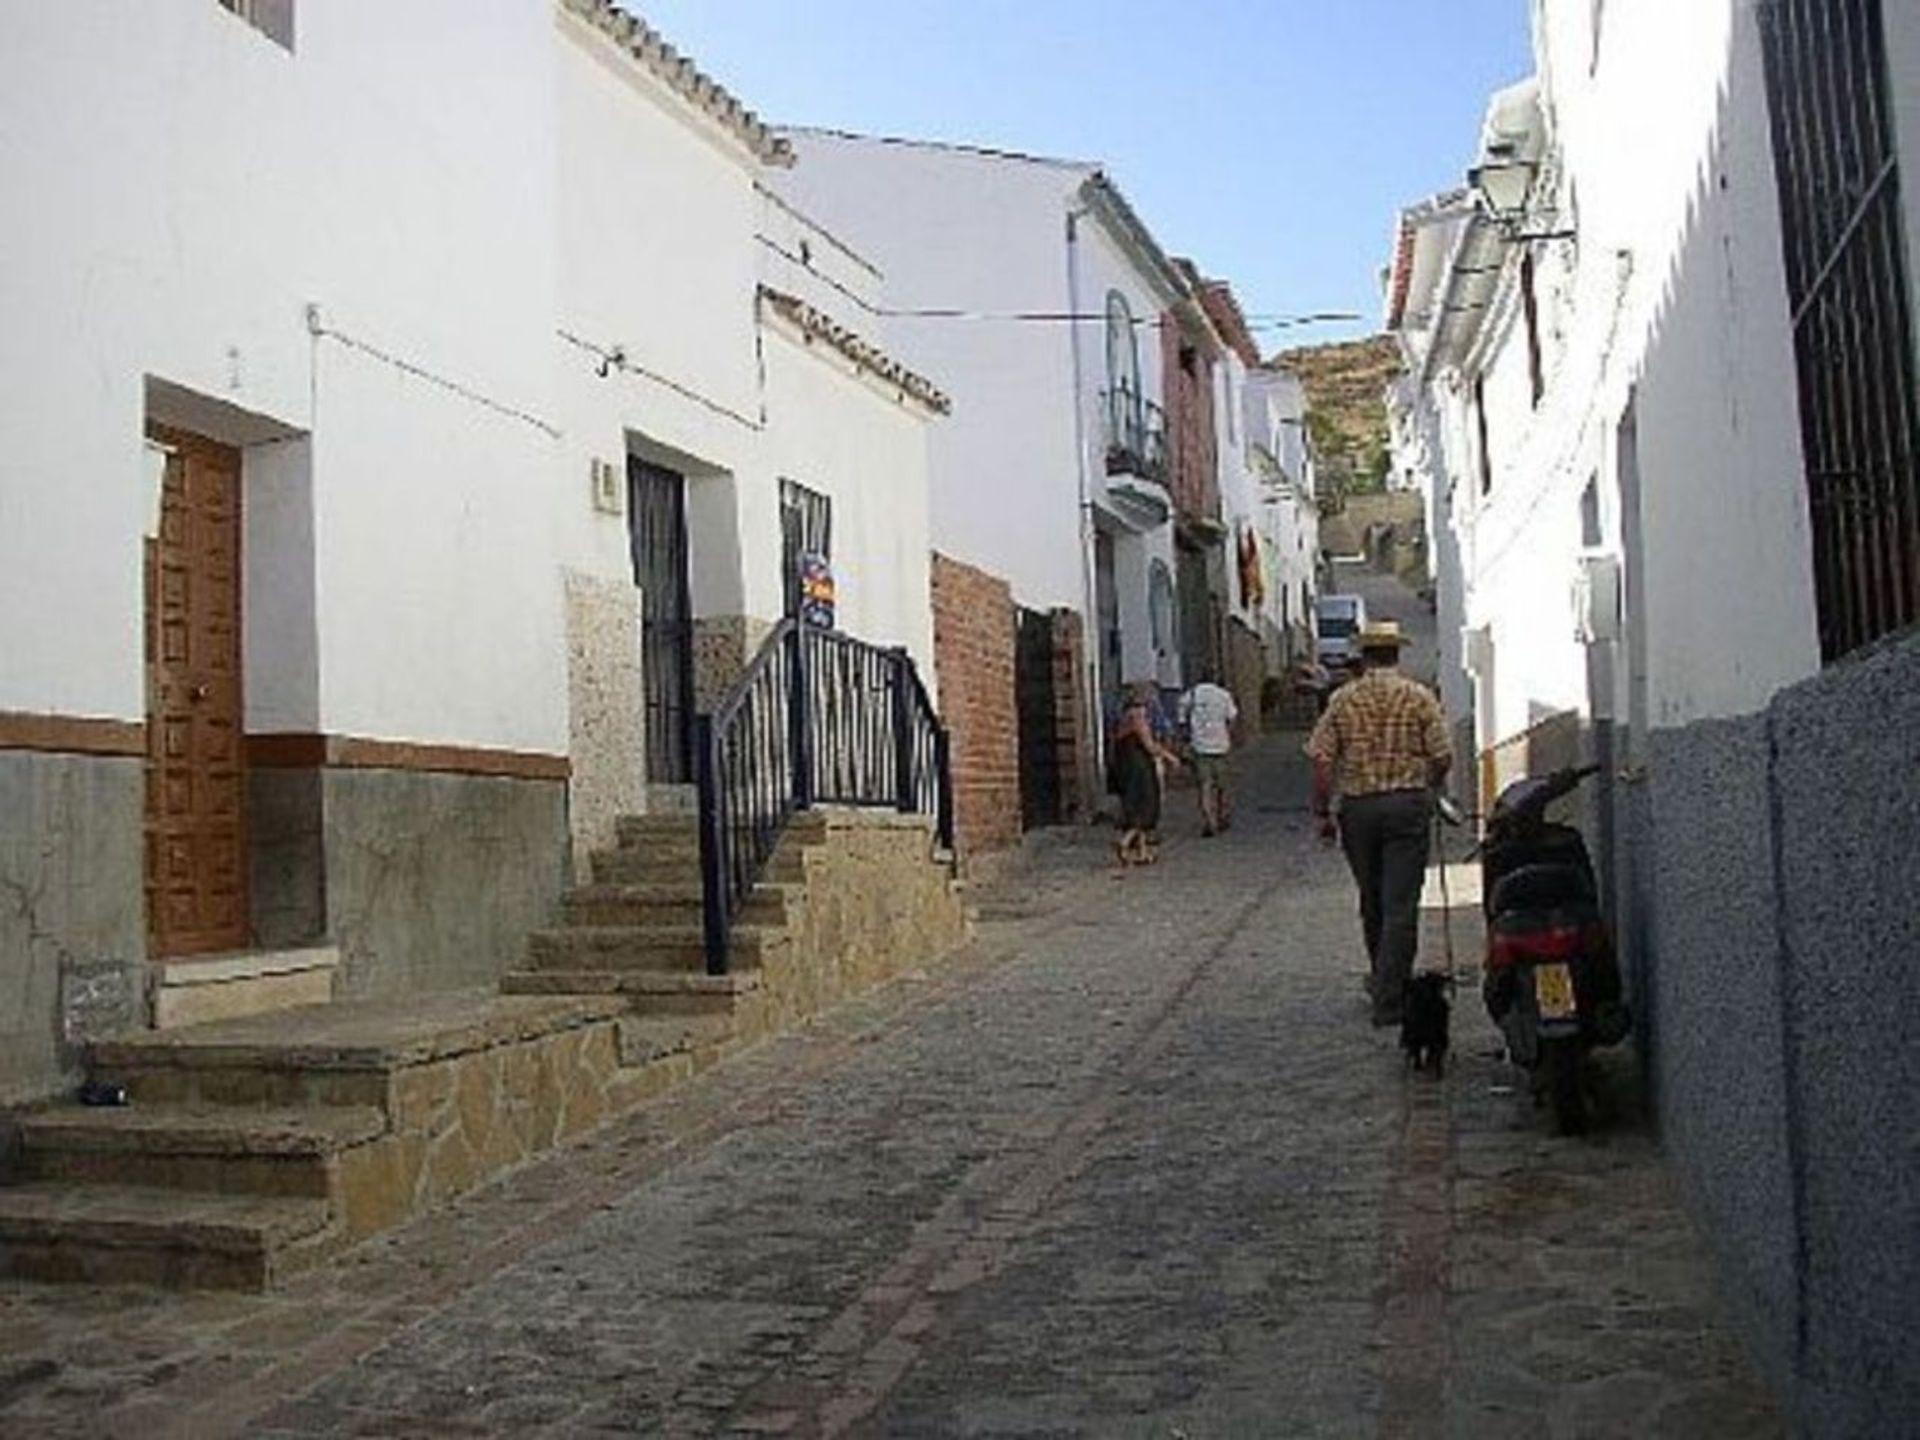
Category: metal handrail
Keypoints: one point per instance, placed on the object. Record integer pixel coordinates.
(818, 717)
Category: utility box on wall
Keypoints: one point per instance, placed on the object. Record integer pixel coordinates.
(608, 482)
(1596, 598)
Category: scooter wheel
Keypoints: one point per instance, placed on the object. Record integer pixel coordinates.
(1560, 1066)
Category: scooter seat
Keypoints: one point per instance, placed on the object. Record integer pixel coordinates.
(1543, 887)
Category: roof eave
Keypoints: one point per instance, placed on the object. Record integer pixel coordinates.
(645, 46)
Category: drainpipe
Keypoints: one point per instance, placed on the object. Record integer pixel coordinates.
(1094, 640)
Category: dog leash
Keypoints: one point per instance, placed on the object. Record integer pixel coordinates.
(1446, 900)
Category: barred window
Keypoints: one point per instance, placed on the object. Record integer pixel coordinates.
(1847, 285)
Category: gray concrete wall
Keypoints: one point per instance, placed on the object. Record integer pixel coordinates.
(1711, 981)
(434, 881)
(1781, 943)
(287, 893)
(1847, 791)
(72, 911)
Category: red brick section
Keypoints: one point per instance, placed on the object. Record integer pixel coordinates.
(1188, 390)
(973, 655)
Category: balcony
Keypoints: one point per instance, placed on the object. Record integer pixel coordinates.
(1136, 435)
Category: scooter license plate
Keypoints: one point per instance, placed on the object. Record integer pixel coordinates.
(1553, 988)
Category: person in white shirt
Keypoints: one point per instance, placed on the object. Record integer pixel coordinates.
(1208, 712)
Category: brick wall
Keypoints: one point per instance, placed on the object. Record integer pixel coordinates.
(973, 648)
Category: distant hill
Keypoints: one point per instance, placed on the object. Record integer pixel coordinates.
(1347, 412)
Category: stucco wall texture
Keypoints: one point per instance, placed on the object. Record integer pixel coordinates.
(433, 882)
(72, 911)
(1786, 919)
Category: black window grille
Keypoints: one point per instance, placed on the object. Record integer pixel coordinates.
(806, 529)
(1847, 284)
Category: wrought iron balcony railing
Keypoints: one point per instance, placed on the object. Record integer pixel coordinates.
(1136, 435)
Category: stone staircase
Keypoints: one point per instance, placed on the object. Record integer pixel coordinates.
(637, 931)
(251, 1149)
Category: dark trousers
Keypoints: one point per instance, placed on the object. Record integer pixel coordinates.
(1387, 839)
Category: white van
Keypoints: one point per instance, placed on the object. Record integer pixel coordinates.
(1336, 628)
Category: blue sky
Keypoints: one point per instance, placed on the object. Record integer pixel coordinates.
(1271, 140)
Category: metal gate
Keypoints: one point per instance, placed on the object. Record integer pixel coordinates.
(1037, 708)
(1847, 284)
(657, 536)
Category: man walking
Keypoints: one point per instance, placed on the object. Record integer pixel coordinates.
(1208, 712)
(1382, 746)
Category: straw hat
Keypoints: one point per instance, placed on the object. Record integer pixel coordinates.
(1381, 635)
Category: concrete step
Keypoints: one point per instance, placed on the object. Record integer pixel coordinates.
(135, 1235)
(677, 862)
(658, 828)
(651, 864)
(672, 904)
(219, 1149)
(653, 993)
(324, 1055)
(659, 946)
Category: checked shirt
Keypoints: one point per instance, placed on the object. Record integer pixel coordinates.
(1380, 733)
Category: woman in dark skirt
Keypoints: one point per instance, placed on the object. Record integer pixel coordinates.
(1137, 758)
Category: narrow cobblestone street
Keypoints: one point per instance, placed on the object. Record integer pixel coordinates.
(1131, 1164)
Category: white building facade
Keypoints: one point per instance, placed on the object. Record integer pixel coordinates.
(321, 558)
(1660, 398)
(1030, 287)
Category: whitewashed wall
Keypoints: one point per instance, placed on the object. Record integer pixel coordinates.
(1674, 297)
(656, 221)
(203, 221)
(854, 441)
(956, 228)
(1102, 264)
(1671, 144)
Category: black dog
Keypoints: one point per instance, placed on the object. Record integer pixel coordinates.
(1423, 1022)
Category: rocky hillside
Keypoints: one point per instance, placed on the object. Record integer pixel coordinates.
(1348, 417)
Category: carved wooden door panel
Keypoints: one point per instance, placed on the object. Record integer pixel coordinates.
(196, 778)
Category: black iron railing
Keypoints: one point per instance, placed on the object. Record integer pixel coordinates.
(1136, 434)
(818, 718)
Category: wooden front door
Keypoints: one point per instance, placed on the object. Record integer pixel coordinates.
(196, 774)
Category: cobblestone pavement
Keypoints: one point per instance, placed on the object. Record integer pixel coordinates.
(1131, 1164)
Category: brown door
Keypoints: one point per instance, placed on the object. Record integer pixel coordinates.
(196, 777)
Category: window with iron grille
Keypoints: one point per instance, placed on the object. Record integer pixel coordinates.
(806, 532)
(1847, 285)
(272, 18)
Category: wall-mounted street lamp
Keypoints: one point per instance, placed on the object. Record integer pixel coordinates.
(1503, 187)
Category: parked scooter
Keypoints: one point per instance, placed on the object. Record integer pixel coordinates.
(1552, 980)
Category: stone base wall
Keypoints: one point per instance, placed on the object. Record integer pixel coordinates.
(974, 637)
(434, 881)
(606, 697)
(286, 855)
(877, 905)
(72, 911)
(722, 647)
(454, 1123)
(1776, 879)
